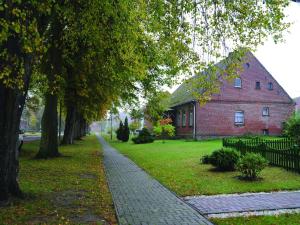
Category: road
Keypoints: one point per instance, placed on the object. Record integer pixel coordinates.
(31, 138)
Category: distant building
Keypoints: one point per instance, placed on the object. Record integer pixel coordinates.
(254, 103)
(297, 101)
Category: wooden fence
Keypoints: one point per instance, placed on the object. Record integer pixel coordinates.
(282, 152)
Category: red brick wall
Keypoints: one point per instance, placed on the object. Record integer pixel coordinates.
(180, 130)
(217, 118)
(255, 72)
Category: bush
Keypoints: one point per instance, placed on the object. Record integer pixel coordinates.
(126, 132)
(205, 159)
(123, 131)
(225, 159)
(143, 137)
(120, 131)
(164, 129)
(292, 127)
(251, 164)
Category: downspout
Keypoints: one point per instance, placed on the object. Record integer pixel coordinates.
(194, 130)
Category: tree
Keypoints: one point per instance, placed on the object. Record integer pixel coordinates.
(129, 48)
(120, 131)
(125, 136)
(156, 106)
(21, 43)
(133, 126)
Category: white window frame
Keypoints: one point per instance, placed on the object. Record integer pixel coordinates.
(183, 118)
(237, 118)
(191, 117)
(239, 84)
(266, 111)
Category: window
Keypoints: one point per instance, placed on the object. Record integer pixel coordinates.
(239, 118)
(257, 85)
(238, 83)
(266, 111)
(270, 86)
(183, 118)
(178, 119)
(265, 132)
(191, 117)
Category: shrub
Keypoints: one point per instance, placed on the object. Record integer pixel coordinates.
(292, 127)
(123, 131)
(164, 129)
(126, 132)
(120, 131)
(143, 137)
(206, 159)
(225, 159)
(251, 164)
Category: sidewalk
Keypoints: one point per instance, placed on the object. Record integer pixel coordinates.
(140, 199)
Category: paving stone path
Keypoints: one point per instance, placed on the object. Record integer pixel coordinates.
(140, 199)
(245, 202)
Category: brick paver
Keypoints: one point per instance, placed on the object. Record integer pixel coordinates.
(140, 199)
(245, 202)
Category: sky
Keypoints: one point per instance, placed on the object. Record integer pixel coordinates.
(283, 60)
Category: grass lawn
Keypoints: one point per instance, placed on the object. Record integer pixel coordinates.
(68, 190)
(176, 164)
(285, 219)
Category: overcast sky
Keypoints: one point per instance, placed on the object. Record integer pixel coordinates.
(283, 60)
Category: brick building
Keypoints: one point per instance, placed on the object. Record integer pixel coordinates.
(297, 101)
(254, 103)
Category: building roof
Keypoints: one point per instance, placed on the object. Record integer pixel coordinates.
(185, 93)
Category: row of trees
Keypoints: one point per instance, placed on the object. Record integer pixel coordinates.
(88, 54)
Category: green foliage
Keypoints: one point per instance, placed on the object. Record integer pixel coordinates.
(143, 137)
(164, 131)
(225, 159)
(206, 159)
(133, 126)
(157, 104)
(120, 131)
(123, 131)
(251, 164)
(292, 127)
(126, 132)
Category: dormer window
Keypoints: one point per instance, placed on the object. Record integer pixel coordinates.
(238, 82)
(270, 86)
(257, 85)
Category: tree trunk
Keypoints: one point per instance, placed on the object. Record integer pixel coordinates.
(11, 106)
(8, 140)
(49, 139)
(69, 126)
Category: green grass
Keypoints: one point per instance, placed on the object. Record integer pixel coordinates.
(176, 164)
(63, 190)
(32, 133)
(285, 219)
